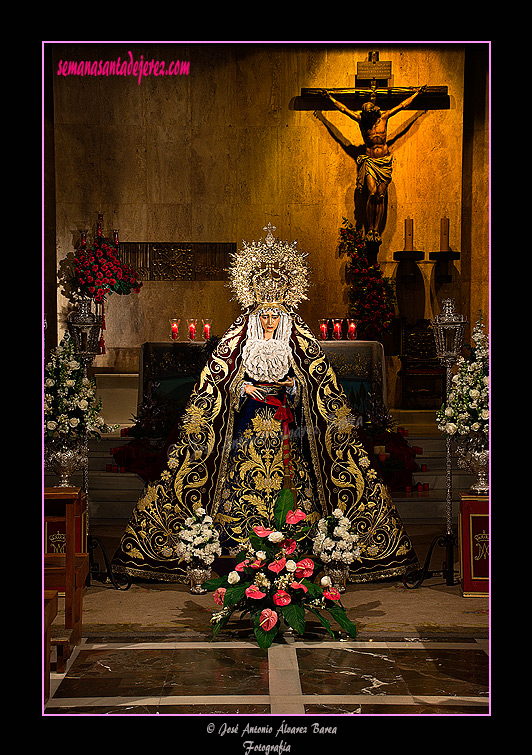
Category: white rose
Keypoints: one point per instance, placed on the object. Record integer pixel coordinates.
(276, 537)
(261, 555)
(325, 582)
(338, 513)
(290, 565)
(233, 577)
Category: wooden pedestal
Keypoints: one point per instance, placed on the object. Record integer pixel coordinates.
(474, 545)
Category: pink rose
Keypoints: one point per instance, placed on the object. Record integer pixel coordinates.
(277, 566)
(293, 517)
(298, 586)
(282, 598)
(262, 531)
(268, 619)
(218, 596)
(332, 593)
(289, 546)
(304, 568)
(254, 592)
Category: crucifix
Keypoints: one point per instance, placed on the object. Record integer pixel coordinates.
(371, 105)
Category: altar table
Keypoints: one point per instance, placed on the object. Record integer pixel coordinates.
(173, 367)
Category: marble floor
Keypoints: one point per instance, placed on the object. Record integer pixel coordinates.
(293, 678)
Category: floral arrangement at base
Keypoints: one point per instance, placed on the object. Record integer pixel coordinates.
(198, 540)
(272, 586)
(334, 542)
(71, 410)
(465, 416)
(371, 296)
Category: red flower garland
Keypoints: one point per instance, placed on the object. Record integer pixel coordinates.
(371, 296)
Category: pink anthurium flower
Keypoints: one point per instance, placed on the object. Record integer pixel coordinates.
(218, 596)
(241, 565)
(289, 546)
(298, 586)
(282, 598)
(278, 565)
(332, 593)
(304, 568)
(268, 619)
(293, 517)
(262, 531)
(254, 592)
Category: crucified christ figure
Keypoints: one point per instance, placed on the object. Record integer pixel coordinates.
(375, 166)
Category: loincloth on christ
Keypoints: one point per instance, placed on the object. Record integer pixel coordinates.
(379, 168)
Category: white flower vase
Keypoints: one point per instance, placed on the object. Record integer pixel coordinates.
(64, 457)
(198, 573)
(477, 462)
(337, 573)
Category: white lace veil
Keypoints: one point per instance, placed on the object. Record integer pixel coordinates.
(267, 360)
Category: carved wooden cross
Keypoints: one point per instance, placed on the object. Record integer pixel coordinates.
(373, 76)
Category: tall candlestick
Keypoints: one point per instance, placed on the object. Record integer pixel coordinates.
(99, 224)
(115, 237)
(444, 235)
(409, 235)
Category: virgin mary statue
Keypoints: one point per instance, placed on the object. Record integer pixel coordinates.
(267, 412)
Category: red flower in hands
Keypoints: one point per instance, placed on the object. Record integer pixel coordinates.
(293, 517)
(268, 619)
(254, 592)
(289, 546)
(332, 593)
(218, 596)
(262, 531)
(281, 598)
(277, 566)
(304, 568)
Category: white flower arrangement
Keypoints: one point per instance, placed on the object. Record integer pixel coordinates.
(334, 541)
(466, 412)
(70, 406)
(198, 540)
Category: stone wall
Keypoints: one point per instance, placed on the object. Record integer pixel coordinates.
(216, 154)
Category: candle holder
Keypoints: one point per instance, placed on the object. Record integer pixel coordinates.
(174, 328)
(207, 323)
(337, 329)
(191, 325)
(323, 329)
(352, 329)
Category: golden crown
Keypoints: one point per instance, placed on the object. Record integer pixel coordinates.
(269, 272)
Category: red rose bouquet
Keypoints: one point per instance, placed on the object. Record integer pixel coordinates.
(271, 584)
(99, 271)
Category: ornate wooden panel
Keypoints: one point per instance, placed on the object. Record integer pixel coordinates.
(184, 261)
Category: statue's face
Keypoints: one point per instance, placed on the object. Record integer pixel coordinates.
(269, 321)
